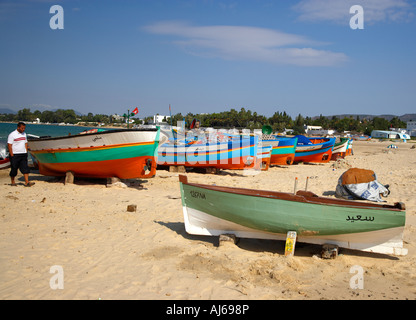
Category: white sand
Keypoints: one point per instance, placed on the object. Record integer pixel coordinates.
(109, 253)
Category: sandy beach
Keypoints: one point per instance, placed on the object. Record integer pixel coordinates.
(107, 252)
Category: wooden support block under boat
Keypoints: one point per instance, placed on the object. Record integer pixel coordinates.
(225, 239)
(116, 182)
(180, 169)
(212, 170)
(329, 251)
(69, 177)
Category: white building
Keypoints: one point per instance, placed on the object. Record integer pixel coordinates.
(389, 135)
(117, 117)
(159, 118)
(411, 128)
(318, 131)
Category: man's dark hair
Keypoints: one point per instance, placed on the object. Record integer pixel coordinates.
(21, 124)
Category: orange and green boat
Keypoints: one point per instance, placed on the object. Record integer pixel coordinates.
(283, 152)
(124, 153)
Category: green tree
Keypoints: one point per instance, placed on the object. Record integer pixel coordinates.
(298, 126)
(397, 123)
(47, 116)
(380, 123)
(24, 115)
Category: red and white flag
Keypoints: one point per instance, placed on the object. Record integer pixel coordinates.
(135, 111)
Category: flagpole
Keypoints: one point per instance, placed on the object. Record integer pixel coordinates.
(170, 112)
(171, 125)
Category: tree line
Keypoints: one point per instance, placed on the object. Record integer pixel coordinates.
(57, 116)
(279, 121)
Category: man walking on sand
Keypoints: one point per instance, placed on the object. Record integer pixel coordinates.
(17, 144)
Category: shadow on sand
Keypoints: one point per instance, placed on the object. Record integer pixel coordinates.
(129, 183)
(270, 246)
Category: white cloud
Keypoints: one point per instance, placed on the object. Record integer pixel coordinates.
(339, 10)
(247, 43)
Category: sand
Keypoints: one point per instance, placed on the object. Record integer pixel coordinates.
(106, 252)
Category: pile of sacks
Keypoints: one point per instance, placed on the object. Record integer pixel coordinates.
(361, 184)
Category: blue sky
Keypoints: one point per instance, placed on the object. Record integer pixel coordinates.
(209, 56)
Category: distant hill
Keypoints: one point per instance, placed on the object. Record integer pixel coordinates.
(7, 111)
(405, 118)
(76, 112)
(10, 111)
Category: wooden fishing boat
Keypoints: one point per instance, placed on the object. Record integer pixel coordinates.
(361, 138)
(349, 147)
(4, 156)
(4, 163)
(239, 152)
(124, 153)
(261, 160)
(314, 150)
(340, 149)
(263, 157)
(246, 213)
(283, 152)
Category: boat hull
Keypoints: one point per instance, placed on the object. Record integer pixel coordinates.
(4, 163)
(125, 154)
(340, 150)
(213, 211)
(317, 152)
(284, 152)
(236, 154)
(263, 158)
(388, 241)
(349, 147)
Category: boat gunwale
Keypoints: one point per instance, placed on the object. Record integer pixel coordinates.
(92, 148)
(303, 197)
(92, 133)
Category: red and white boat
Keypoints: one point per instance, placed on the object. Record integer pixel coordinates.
(4, 163)
(4, 156)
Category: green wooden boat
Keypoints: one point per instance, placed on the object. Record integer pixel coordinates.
(247, 213)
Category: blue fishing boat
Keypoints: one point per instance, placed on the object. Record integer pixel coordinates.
(203, 151)
(314, 150)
